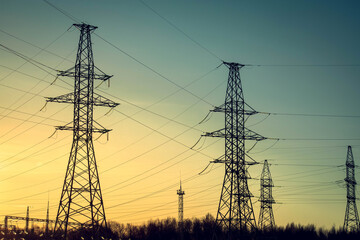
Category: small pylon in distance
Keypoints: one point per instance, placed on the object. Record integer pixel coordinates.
(181, 194)
(266, 217)
(351, 222)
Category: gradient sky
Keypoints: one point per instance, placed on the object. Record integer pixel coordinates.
(308, 52)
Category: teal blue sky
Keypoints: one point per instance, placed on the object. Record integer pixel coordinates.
(301, 57)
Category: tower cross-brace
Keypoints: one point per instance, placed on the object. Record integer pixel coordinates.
(81, 199)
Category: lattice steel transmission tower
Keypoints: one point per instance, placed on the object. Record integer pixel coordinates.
(266, 216)
(351, 222)
(81, 199)
(181, 194)
(235, 211)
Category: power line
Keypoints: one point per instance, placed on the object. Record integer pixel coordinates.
(31, 169)
(181, 31)
(138, 140)
(158, 191)
(303, 65)
(63, 12)
(28, 59)
(305, 165)
(29, 121)
(315, 139)
(39, 152)
(151, 175)
(310, 115)
(30, 114)
(166, 97)
(153, 70)
(42, 49)
(29, 128)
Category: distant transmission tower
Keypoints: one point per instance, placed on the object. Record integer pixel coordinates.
(47, 220)
(351, 222)
(81, 199)
(235, 209)
(181, 194)
(266, 217)
(27, 219)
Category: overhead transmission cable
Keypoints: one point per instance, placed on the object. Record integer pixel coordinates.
(153, 70)
(310, 115)
(181, 31)
(74, 19)
(33, 45)
(159, 171)
(303, 65)
(158, 191)
(156, 130)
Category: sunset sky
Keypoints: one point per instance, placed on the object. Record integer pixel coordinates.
(302, 61)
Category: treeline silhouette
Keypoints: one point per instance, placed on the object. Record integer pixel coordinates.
(206, 228)
(192, 229)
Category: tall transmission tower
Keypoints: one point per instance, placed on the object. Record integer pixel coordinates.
(351, 222)
(181, 194)
(235, 210)
(81, 199)
(266, 217)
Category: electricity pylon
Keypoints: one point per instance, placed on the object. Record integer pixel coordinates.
(27, 219)
(47, 220)
(81, 199)
(235, 211)
(181, 194)
(266, 217)
(351, 222)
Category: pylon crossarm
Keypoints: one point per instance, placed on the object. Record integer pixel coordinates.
(103, 101)
(66, 98)
(94, 130)
(219, 160)
(98, 100)
(71, 73)
(217, 133)
(251, 135)
(222, 109)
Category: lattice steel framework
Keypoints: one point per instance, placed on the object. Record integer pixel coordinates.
(266, 216)
(235, 209)
(181, 194)
(351, 222)
(81, 199)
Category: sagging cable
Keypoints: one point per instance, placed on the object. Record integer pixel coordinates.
(277, 140)
(196, 142)
(206, 118)
(261, 120)
(44, 107)
(108, 112)
(53, 82)
(53, 134)
(252, 146)
(202, 172)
